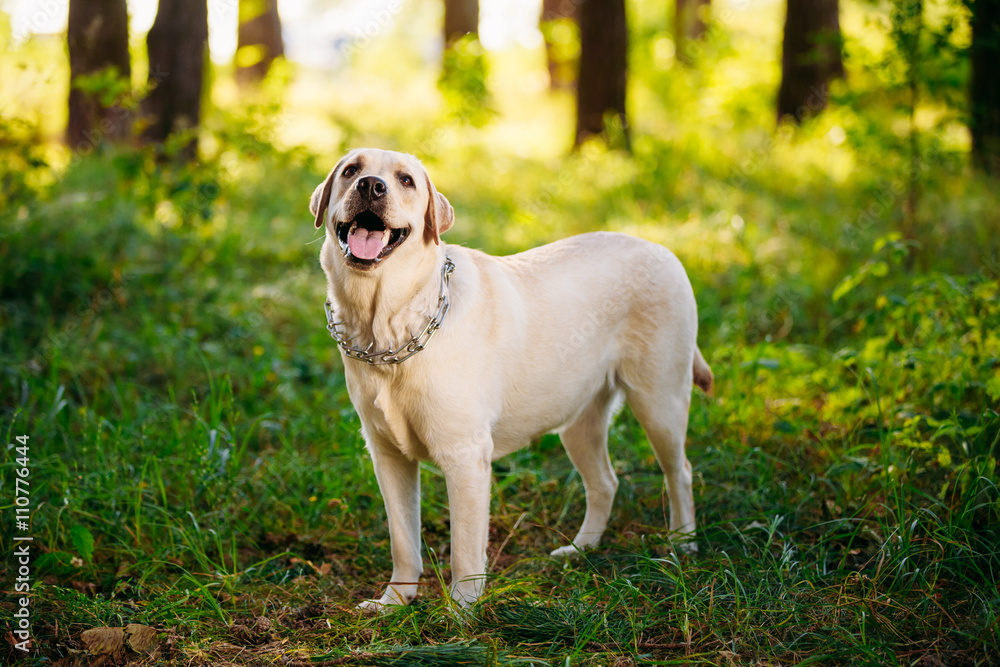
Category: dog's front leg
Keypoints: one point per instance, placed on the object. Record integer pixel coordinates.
(468, 477)
(399, 480)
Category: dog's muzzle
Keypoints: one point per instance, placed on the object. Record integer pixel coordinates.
(367, 239)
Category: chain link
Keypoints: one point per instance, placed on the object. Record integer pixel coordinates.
(407, 350)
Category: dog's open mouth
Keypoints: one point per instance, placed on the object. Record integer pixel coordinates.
(367, 240)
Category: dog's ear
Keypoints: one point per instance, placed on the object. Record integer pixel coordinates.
(440, 216)
(320, 200)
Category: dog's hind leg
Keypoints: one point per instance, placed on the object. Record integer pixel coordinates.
(663, 414)
(586, 443)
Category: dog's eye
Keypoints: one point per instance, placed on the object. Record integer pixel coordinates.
(349, 170)
(406, 181)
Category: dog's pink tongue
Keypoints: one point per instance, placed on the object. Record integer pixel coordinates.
(365, 244)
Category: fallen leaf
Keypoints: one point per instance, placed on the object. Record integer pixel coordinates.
(141, 638)
(102, 641)
(111, 641)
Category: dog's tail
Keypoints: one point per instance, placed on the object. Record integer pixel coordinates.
(702, 372)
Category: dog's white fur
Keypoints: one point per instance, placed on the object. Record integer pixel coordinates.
(546, 340)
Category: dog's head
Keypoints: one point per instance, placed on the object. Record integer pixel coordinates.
(378, 203)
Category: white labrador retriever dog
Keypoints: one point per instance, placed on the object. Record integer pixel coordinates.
(546, 340)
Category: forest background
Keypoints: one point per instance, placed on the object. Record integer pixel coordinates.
(180, 444)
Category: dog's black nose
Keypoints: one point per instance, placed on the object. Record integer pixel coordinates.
(371, 187)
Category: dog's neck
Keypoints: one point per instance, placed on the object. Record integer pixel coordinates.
(386, 309)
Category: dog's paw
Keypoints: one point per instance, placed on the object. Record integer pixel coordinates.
(467, 591)
(378, 607)
(568, 551)
(371, 607)
(687, 548)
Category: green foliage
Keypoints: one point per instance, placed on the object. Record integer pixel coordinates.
(24, 168)
(875, 267)
(562, 37)
(464, 72)
(108, 86)
(83, 541)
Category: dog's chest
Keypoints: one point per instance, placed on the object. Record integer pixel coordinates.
(386, 414)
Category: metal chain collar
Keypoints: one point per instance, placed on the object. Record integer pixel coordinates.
(408, 349)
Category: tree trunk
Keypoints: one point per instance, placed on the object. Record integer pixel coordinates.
(177, 44)
(984, 88)
(810, 57)
(259, 40)
(97, 37)
(689, 27)
(461, 17)
(603, 63)
(561, 71)
(553, 10)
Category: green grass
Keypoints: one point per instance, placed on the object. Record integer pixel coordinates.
(196, 463)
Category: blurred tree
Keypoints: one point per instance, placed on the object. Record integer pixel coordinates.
(810, 57)
(258, 41)
(177, 44)
(463, 82)
(689, 26)
(461, 17)
(555, 23)
(601, 81)
(907, 24)
(984, 88)
(464, 70)
(97, 37)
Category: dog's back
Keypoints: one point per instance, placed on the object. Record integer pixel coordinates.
(605, 311)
